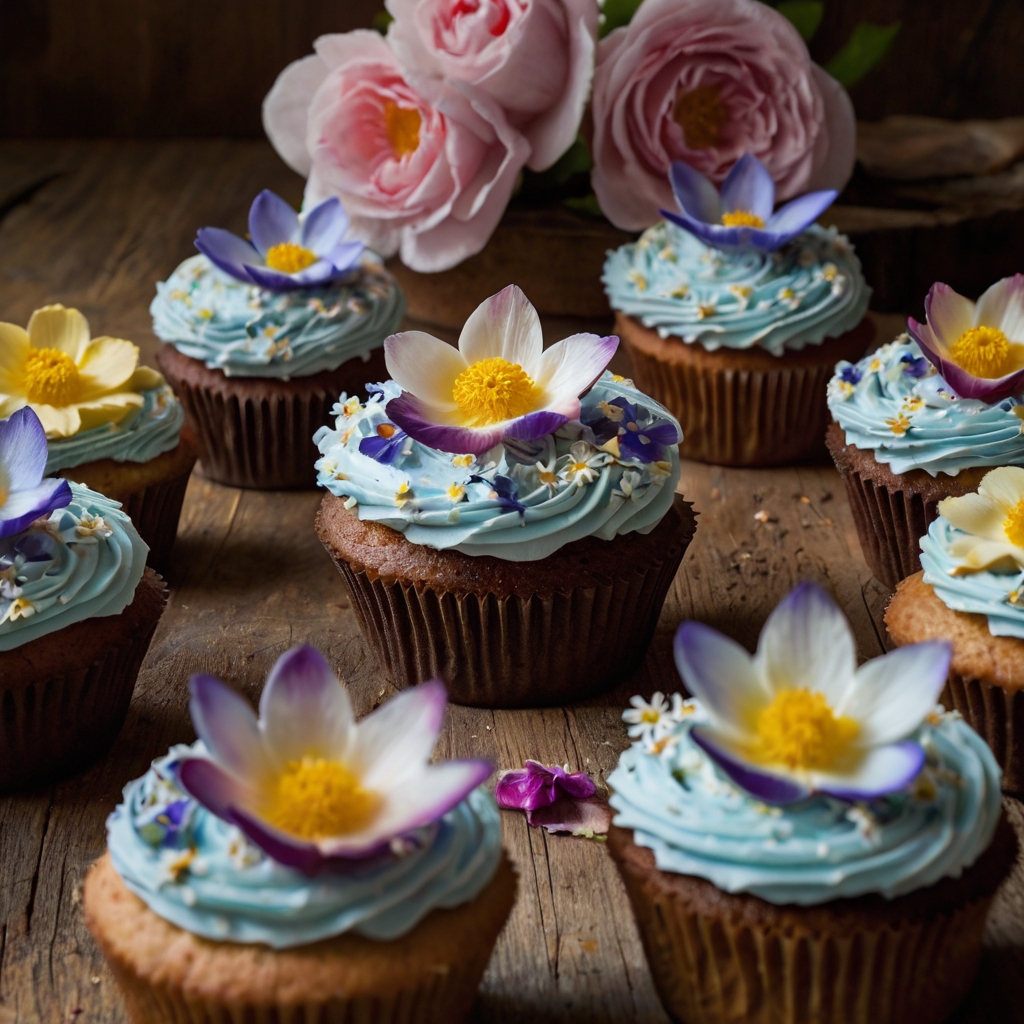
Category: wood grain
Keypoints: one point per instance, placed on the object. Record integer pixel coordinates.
(249, 579)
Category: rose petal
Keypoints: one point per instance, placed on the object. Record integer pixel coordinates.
(286, 110)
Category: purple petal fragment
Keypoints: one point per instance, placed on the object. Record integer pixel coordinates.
(588, 817)
(272, 221)
(551, 792)
(771, 789)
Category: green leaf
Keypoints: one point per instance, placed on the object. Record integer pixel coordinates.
(587, 205)
(616, 13)
(575, 160)
(804, 14)
(381, 20)
(867, 45)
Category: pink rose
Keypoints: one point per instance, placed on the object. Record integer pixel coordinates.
(424, 167)
(705, 81)
(533, 57)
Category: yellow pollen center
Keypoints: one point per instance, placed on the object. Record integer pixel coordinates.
(4, 492)
(742, 219)
(650, 715)
(51, 377)
(800, 730)
(701, 114)
(982, 352)
(290, 258)
(403, 127)
(316, 798)
(493, 390)
(1013, 525)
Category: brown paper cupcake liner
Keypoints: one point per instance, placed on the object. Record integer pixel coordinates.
(64, 696)
(741, 408)
(155, 511)
(258, 432)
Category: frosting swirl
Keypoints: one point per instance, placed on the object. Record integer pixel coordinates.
(894, 404)
(202, 874)
(810, 289)
(142, 435)
(522, 505)
(248, 332)
(681, 806)
(80, 562)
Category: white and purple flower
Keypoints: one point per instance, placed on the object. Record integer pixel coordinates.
(743, 216)
(799, 716)
(24, 494)
(640, 437)
(500, 383)
(304, 781)
(554, 798)
(288, 250)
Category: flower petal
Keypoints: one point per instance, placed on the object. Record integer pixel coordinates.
(14, 348)
(948, 314)
(534, 425)
(286, 109)
(591, 816)
(974, 555)
(1004, 487)
(410, 414)
(985, 389)
(107, 409)
(345, 256)
(792, 218)
(772, 789)
(882, 770)
(23, 450)
(975, 514)
(717, 235)
(22, 508)
(105, 365)
(271, 222)
(324, 226)
(57, 327)
(504, 325)
(1002, 305)
(225, 721)
(570, 366)
(285, 849)
(218, 791)
(278, 281)
(748, 186)
(695, 194)
(145, 378)
(424, 366)
(58, 422)
(227, 251)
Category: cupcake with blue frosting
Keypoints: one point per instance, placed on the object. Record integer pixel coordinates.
(971, 592)
(823, 832)
(735, 313)
(261, 335)
(504, 517)
(301, 863)
(926, 416)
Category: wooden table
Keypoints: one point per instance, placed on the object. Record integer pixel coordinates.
(95, 225)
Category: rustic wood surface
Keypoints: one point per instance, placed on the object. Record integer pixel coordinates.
(95, 225)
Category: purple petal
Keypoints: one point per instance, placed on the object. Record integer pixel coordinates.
(592, 816)
(23, 449)
(926, 341)
(278, 281)
(292, 853)
(538, 785)
(718, 672)
(771, 789)
(406, 411)
(220, 793)
(749, 186)
(789, 220)
(23, 508)
(324, 227)
(345, 256)
(271, 222)
(225, 721)
(534, 425)
(227, 251)
(694, 193)
(883, 770)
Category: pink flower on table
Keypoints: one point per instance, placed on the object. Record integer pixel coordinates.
(423, 166)
(705, 81)
(535, 58)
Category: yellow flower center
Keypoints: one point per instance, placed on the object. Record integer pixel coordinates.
(290, 258)
(701, 114)
(742, 219)
(982, 352)
(493, 390)
(51, 377)
(800, 730)
(403, 127)
(316, 798)
(1013, 525)
(650, 715)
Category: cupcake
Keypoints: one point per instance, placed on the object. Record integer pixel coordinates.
(925, 416)
(808, 840)
(112, 425)
(493, 528)
(78, 608)
(970, 593)
(734, 316)
(261, 337)
(302, 865)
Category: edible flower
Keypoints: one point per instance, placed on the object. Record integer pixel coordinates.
(304, 781)
(650, 720)
(992, 521)
(71, 381)
(799, 716)
(499, 383)
(24, 494)
(553, 798)
(288, 250)
(978, 348)
(639, 436)
(741, 217)
(385, 444)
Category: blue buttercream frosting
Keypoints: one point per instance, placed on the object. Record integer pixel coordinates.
(810, 289)
(999, 596)
(246, 331)
(142, 435)
(203, 875)
(518, 505)
(894, 404)
(80, 562)
(684, 809)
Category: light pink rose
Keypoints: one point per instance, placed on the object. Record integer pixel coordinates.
(705, 81)
(424, 167)
(533, 57)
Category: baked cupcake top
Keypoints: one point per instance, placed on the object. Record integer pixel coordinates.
(517, 487)
(298, 300)
(728, 272)
(799, 778)
(307, 825)
(93, 398)
(973, 554)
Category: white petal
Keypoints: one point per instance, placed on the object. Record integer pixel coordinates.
(1012, 320)
(1004, 486)
(570, 366)
(425, 366)
(881, 770)
(286, 107)
(504, 325)
(949, 314)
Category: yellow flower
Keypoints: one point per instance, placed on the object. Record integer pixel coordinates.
(70, 381)
(899, 425)
(993, 521)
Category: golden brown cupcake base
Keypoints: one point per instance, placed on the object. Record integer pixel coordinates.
(64, 696)
(428, 976)
(741, 407)
(501, 633)
(257, 432)
(986, 678)
(893, 512)
(720, 958)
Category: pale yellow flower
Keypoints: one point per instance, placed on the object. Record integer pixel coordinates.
(993, 521)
